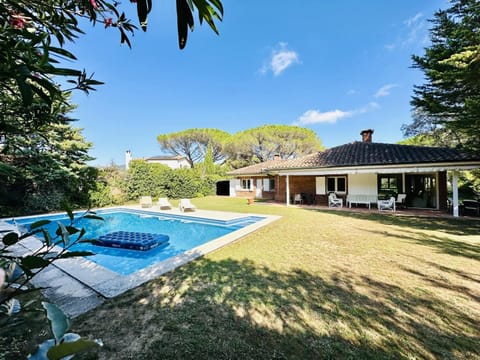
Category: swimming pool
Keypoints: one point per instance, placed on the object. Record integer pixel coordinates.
(184, 232)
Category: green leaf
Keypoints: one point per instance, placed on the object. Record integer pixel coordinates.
(82, 233)
(39, 223)
(93, 217)
(184, 21)
(33, 262)
(62, 52)
(58, 320)
(72, 230)
(10, 239)
(69, 348)
(71, 254)
(143, 8)
(47, 237)
(63, 233)
(69, 212)
(218, 5)
(25, 90)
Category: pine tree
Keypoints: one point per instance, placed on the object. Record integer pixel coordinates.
(448, 104)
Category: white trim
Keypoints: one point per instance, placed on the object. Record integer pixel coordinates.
(381, 169)
(455, 194)
(287, 183)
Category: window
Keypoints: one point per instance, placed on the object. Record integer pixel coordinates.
(269, 184)
(389, 184)
(337, 184)
(246, 184)
(272, 184)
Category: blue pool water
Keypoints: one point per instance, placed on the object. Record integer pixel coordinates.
(185, 233)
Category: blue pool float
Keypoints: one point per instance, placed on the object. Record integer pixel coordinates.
(132, 240)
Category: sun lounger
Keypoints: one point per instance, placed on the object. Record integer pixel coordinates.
(164, 204)
(146, 201)
(186, 205)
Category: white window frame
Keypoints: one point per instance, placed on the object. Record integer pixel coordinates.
(336, 184)
(245, 182)
(267, 184)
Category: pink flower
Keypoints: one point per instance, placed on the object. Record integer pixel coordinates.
(108, 22)
(94, 4)
(17, 21)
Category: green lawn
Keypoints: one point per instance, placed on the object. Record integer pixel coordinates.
(316, 284)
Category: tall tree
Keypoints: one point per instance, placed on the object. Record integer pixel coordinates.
(45, 167)
(193, 144)
(448, 104)
(264, 142)
(33, 85)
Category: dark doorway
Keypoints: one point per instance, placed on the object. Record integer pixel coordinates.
(223, 188)
(421, 191)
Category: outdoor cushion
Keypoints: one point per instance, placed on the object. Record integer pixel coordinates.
(132, 240)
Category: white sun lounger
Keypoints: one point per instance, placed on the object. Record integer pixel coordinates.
(146, 201)
(164, 204)
(186, 205)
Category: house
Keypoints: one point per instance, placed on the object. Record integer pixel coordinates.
(173, 162)
(359, 168)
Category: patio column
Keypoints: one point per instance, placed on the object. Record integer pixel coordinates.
(288, 189)
(455, 193)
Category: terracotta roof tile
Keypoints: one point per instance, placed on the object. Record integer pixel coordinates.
(363, 154)
(258, 168)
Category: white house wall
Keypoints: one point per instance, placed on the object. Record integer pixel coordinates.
(362, 184)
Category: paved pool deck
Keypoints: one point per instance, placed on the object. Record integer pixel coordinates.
(78, 285)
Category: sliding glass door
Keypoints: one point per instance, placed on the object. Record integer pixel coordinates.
(421, 191)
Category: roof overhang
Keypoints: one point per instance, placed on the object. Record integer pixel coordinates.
(380, 169)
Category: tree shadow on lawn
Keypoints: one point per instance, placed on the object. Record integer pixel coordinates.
(237, 309)
(444, 244)
(453, 226)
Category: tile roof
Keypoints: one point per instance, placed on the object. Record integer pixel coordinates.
(258, 168)
(364, 154)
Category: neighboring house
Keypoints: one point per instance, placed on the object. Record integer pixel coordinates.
(174, 162)
(359, 168)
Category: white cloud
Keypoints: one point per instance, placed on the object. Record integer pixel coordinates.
(416, 27)
(412, 21)
(317, 117)
(352, 92)
(414, 31)
(384, 90)
(281, 59)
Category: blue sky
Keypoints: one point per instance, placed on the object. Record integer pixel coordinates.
(335, 67)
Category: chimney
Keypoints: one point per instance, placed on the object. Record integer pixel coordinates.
(128, 158)
(367, 135)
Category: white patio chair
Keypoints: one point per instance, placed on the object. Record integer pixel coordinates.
(146, 201)
(333, 201)
(400, 202)
(164, 204)
(386, 204)
(186, 205)
(297, 199)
